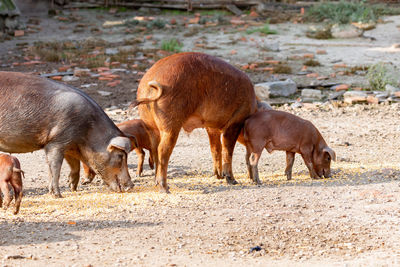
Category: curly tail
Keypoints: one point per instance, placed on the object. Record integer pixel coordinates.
(156, 86)
(19, 170)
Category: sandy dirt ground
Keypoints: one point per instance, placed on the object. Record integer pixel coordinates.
(351, 219)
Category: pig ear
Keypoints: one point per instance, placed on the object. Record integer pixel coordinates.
(119, 142)
(134, 143)
(331, 153)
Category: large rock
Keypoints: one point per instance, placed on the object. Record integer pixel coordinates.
(310, 95)
(355, 97)
(275, 89)
(390, 89)
(346, 31)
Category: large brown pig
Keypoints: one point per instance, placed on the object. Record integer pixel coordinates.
(135, 128)
(279, 130)
(10, 174)
(36, 113)
(189, 91)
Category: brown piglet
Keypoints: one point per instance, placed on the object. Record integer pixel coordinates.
(135, 128)
(278, 130)
(10, 174)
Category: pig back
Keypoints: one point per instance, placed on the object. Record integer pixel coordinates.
(200, 86)
(36, 111)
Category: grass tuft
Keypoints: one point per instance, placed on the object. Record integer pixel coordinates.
(172, 45)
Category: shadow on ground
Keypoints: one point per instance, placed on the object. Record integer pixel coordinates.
(24, 233)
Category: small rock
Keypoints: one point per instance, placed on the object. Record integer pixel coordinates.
(19, 33)
(256, 248)
(354, 96)
(321, 52)
(391, 89)
(112, 51)
(274, 47)
(346, 31)
(57, 78)
(104, 93)
(114, 83)
(78, 72)
(308, 56)
(340, 87)
(312, 75)
(296, 104)
(372, 99)
(88, 85)
(309, 95)
(336, 95)
(237, 22)
(262, 90)
(70, 78)
(277, 89)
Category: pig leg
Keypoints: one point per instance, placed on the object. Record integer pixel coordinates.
(289, 164)
(54, 157)
(151, 162)
(140, 154)
(308, 162)
(254, 158)
(6, 192)
(229, 138)
(75, 166)
(252, 170)
(168, 141)
(88, 174)
(214, 136)
(16, 183)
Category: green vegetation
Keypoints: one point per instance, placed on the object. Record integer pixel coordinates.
(344, 12)
(283, 68)
(79, 52)
(173, 12)
(215, 12)
(172, 45)
(381, 74)
(263, 29)
(312, 63)
(158, 23)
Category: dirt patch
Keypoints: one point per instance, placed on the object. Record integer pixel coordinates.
(352, 218)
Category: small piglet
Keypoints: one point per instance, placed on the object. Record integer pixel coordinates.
(278, 130)
(10, 173)
(138, 129)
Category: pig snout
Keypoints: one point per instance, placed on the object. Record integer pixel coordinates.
(128, 186)
(327, 173)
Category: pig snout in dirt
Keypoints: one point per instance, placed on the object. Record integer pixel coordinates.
(278, 130)
(189, 91)
(38, 113)
(10, 174)
(138, 129)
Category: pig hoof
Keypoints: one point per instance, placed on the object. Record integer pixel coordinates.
(231, 181)
(164, 190)
(57, 195)
(217, 176)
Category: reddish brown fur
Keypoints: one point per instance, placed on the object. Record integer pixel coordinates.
(139, 130)
(197, 90)
(215, 142)
(278, 130)
(10, 175)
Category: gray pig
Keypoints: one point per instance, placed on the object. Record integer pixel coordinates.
(36, 113)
